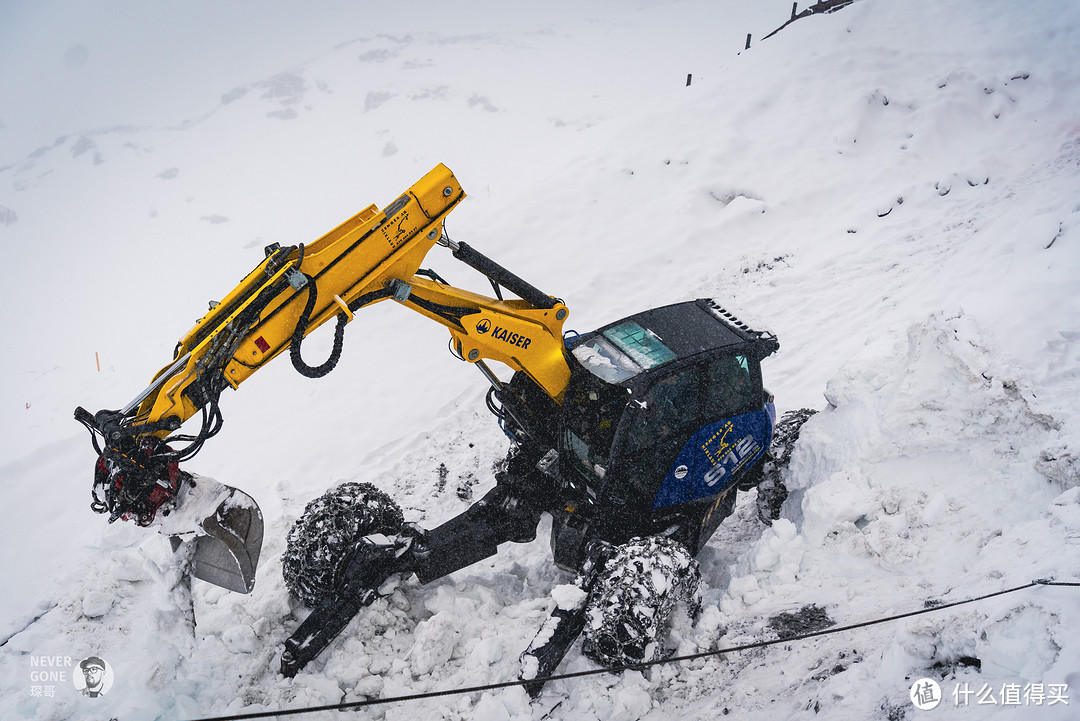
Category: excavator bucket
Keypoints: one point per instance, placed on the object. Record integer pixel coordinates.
(227, 553)
(225, 526)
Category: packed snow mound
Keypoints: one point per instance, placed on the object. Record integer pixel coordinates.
(919, 484)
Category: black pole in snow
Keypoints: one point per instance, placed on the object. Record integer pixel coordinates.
(688, 77)
(747, 42)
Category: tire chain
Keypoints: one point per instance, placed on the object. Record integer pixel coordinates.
(629, 608)
(772, 491)
(330, 526)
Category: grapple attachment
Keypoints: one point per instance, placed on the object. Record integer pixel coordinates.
(139, 480)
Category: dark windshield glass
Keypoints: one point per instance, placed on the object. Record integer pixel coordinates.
(670, 407)
(729, 387)
(656, 430)
(593, 410)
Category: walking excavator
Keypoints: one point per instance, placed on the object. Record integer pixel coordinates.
(635, 438)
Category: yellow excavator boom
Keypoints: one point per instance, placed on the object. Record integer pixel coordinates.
(373, 256)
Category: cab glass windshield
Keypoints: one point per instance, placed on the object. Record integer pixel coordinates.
(641, 344)
(622, 352)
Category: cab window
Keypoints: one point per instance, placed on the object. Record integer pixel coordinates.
(591, 415)
(729, 387)
(656, 430)
(670, 407)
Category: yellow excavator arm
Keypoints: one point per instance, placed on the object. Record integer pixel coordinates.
(373, 256)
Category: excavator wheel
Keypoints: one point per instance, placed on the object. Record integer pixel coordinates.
(772, 491)
(629, 609)
(330, 526)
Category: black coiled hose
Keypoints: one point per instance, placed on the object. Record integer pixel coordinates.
(298, 336)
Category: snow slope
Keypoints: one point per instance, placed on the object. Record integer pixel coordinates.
(893, 190)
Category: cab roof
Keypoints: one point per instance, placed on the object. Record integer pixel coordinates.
(655, 337)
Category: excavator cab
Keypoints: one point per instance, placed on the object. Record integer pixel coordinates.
(665, 416)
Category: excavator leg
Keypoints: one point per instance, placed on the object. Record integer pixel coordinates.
(501, 515)
(474, 535)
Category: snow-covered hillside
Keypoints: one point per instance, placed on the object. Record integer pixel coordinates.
(892, 189)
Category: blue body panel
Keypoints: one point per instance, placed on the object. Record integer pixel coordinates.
(715, 455)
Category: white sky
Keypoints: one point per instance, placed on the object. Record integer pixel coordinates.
(74, 66)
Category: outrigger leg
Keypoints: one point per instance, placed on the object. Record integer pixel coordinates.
(472, 536)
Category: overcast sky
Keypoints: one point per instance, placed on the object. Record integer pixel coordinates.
(72, 66)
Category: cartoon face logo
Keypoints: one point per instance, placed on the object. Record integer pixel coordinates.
(96, 678)
(483, 326)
